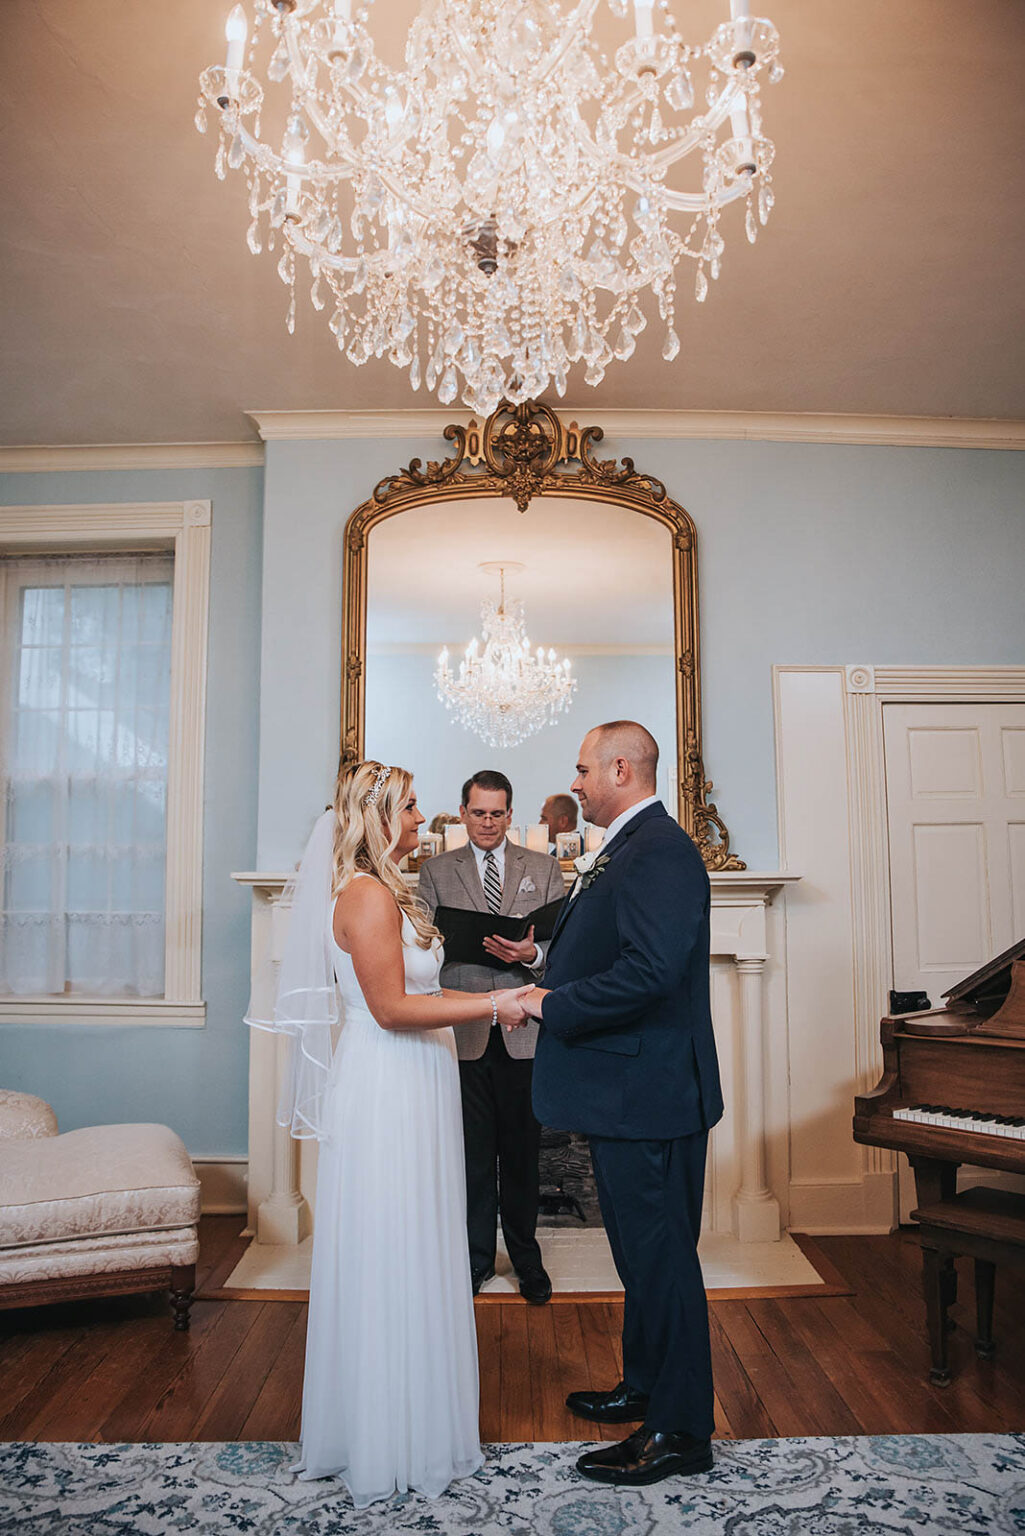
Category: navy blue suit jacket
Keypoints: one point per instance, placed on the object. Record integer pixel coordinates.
(626, 1046)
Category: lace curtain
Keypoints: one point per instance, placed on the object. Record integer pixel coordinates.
(84, 711)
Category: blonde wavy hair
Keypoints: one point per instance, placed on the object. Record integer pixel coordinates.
(366, 832)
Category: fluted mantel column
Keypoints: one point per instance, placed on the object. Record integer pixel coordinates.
(740, 936)
(278, 1212)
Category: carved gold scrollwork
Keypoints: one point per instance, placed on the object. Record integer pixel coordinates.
(524, 452)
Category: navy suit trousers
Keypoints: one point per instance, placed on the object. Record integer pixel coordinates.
(651, 1194)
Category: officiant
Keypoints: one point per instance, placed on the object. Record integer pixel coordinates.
(502, 1137)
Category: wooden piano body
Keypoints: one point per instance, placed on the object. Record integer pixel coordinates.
(960, 1070)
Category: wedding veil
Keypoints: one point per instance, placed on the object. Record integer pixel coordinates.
(305, 1004)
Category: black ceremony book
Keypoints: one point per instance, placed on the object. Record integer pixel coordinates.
(465, 930)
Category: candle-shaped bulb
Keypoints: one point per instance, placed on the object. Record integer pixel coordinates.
(236, 30)
(740, 10)
(642, 17)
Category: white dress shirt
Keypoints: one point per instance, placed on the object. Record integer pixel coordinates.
(624, 816)
(499, 854)
(587, 861)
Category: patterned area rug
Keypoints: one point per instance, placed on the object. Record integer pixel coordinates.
(899, 1485)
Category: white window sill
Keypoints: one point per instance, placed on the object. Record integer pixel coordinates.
(72, 1009)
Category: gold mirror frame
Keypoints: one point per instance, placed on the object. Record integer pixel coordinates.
(522, 452)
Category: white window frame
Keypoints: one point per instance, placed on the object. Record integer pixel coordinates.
(184, 527)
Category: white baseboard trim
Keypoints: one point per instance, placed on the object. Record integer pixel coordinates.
(222, 1182)
(838, 1206)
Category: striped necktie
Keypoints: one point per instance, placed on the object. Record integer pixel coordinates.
(492, 884)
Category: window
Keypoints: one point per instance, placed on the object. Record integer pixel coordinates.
(85, 690)
(102, 684)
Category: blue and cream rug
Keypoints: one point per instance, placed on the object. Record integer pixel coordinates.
(897, 1485)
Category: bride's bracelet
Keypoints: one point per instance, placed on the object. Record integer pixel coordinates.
(494, 1008)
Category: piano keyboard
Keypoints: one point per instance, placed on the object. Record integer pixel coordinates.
(942, 1116)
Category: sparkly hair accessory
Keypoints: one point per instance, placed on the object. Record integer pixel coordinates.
(379, 783)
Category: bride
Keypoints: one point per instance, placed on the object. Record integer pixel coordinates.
(390, 1396)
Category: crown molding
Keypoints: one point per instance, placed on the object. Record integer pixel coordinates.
(32, 459)
(754, 426)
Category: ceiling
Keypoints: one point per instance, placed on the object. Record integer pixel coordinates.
(425, 585)
(890, 279)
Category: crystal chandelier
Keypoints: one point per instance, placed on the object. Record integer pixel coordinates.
(497, 209)
(503, 693)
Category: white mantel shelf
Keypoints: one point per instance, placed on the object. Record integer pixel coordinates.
(279, 1211)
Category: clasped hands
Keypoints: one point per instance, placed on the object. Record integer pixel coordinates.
(518, 1005)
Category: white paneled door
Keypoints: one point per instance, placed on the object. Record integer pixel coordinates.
(955, 787)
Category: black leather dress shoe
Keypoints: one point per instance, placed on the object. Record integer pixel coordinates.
(479, 1278)
(647, 1457)
(535, 1287)
(620, 1406)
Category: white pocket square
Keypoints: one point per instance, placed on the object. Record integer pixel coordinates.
(526, 886)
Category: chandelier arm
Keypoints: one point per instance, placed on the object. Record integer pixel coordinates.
(268, 159)
(581, 16)
(682, 202)
(713, 119)
(700, 202)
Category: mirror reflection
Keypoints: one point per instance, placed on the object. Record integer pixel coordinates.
(596, 587)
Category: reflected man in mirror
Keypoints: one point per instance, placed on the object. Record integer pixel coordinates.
(502, 1136)
(559, 814)
(626, 1054)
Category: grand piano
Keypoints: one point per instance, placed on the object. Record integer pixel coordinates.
(953, 1083)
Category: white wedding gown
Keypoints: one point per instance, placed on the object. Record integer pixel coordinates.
(390, 1397)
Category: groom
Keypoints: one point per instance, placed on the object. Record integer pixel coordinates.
(626, 1054)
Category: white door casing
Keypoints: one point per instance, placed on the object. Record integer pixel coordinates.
(831, 781)
(955, 797)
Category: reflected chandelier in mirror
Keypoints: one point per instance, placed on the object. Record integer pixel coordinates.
(523, 452)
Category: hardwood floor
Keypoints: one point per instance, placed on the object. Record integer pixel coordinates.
(831, 1365)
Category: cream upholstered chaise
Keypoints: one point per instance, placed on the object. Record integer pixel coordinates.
(103, 1211)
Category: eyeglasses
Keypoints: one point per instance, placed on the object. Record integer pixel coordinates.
(489, 815)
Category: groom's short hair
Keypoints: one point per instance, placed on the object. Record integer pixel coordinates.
(488, 778)
(627, 738)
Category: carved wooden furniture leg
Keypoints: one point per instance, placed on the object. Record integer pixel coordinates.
(936, 1313)
(936, 1181)
(985, 1281)
(183, 1284)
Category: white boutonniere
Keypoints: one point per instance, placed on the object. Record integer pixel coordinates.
(589, 867)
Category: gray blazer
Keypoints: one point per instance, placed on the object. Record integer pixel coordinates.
(531, 880)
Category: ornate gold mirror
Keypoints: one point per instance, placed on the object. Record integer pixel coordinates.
(525, 457)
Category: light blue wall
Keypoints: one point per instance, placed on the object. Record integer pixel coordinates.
(807, 554)
(193, 1080)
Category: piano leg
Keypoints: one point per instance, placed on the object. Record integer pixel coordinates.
(933, 1272)
(985, 1278)
(936, 1181)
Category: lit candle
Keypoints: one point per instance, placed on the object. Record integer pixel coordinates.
(593, 837)
(455, 836)
(537, 837)
(236, 30)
